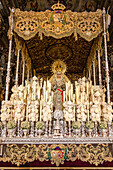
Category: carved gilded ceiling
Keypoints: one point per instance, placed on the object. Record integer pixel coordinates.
(44, 52)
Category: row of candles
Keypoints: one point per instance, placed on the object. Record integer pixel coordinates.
(41, 91)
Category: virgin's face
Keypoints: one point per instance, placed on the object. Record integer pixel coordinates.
(59, 76)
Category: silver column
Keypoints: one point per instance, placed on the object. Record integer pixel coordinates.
(106, 57)
(9, 59)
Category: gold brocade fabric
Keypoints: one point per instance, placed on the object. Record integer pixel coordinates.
(56, 153)
(87, 24)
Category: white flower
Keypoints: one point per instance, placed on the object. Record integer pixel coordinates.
(33, 109)
(78, 110)
(18, 116)
(3, 118)
(18, 110)
(70, 110)
(36, 110)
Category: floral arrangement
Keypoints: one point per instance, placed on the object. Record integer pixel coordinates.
(47, 111)
(95, 112)
(76, 125)
(103, 125)
(25, 125)
(19, 110)
(81, 112)
(6, 110)
(11, 125)
(69, 111)
(40, 125)
(90, 125)
(107, 112)
(33, 110)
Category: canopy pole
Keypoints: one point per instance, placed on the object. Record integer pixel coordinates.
(94, 77)
(23, 73)
(99, 68)
(106, 57)
(17, 66)
(89, 74)
(9, 58)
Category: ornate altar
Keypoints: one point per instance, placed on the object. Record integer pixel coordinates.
(57, 118)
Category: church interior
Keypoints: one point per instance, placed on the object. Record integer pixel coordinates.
(56, 84)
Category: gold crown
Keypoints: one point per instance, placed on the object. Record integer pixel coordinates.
(58, 66)
(58, 6)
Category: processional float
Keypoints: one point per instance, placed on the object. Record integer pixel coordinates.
(55, 111)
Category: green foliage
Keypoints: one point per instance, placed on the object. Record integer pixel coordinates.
(76, 125)
(25, 125)
(90, 125)
(11, 125)
(103, 125)
(40, 125)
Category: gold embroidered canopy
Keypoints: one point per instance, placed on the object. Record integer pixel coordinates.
(44, 35)
(58, 24)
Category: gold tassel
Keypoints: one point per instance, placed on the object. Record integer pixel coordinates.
(15, 51)
(108, 35)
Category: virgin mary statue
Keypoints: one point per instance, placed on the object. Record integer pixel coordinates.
(58, 81)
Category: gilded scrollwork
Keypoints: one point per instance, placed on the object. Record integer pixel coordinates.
(26, 24)
(58, 24)
(95, 155)
(89, 25)
(57, 153)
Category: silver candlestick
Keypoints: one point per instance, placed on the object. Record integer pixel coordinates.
(46, 129)
(4, 130)
(35, 131)
(95, 130)
(50, 128)
(109, 129)
(32, 129)
(18, 129)
(65, 128)
(83, 129)
(69, 128)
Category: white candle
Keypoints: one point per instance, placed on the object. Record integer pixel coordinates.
(28, 88)
(66, 90)
(81, 93)
(87, 88)
(49, 87)
(46, 95)
(73, 98)
(39, 93)
(27, 113)
(52, 96)
(40, 109)
(64, 95)
(92, 95)
(41, 80)
(88, 112)
(76, 90)
(76, 94)
(44, 89)
(71, 91)
(69, 95)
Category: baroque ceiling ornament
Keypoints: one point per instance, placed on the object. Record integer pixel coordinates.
(58, 23)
